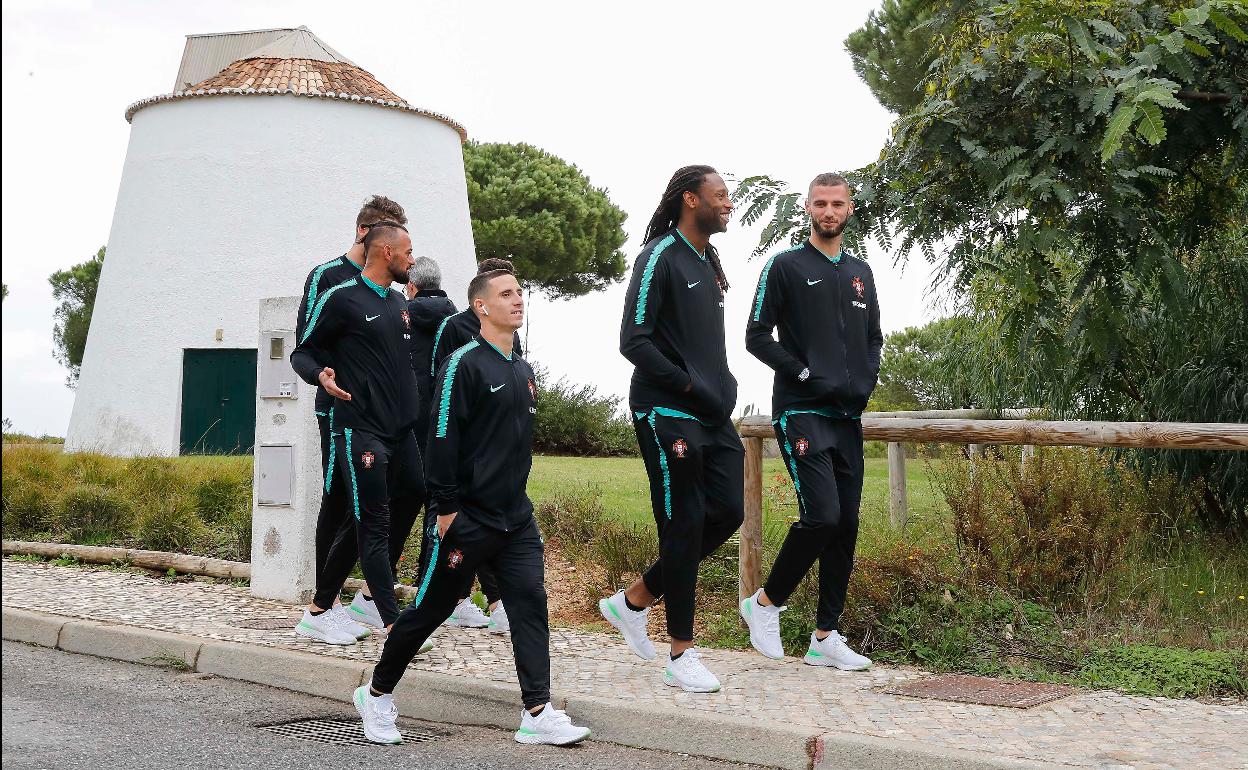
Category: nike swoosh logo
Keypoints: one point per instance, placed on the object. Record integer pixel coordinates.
(496, 388)
(812, 283)
(695, 283)
(372, 317)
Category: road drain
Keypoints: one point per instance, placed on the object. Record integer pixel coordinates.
(342, 732)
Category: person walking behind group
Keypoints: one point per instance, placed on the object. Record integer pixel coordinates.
(480, 455)
(826, 362)
(363, 327)
(681, 397)
(453, 333)
(325, 619)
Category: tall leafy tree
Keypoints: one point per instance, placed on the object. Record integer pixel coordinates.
(563, 234)
(1076, 171)
(74, 291)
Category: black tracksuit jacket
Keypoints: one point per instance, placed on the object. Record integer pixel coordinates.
(428, 309)
(673, 333)
(365, 331)
(322, 278)
(481, 440)
(454, 332)
(829, 322)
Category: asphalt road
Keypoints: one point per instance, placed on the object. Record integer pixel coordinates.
(62, 710)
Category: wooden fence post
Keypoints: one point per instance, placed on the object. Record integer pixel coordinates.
(897, 505)
(751, 547)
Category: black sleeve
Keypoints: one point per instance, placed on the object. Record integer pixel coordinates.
(642, 305)
(446, 340)
(875, 337)
(452, 404)
(324, 324)
(305, 307)
(769, 304)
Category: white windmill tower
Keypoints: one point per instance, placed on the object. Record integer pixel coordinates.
(235, 185)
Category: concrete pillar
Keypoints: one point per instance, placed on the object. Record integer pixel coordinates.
(287, 480)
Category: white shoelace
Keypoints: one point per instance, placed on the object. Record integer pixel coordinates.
(771, 620)
(388, 712)
(556, 718)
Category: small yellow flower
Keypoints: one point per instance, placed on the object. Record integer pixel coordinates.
(1185, 585)
(1202, 593)
(1240, 597)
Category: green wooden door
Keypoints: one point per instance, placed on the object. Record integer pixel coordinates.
(218, 401)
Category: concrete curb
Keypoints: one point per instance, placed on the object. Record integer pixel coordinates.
(446, 698)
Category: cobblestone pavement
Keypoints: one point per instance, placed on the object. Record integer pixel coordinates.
(1091, 729)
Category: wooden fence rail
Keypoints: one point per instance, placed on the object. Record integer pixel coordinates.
(943, 427)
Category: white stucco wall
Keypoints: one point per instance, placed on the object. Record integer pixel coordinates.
(225, 200)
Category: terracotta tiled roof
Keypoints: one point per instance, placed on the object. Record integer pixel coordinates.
(302, 76)
(328, 76)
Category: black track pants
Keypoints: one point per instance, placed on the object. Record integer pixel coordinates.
(516, 557)
(335, 527)
(485, 574)
(697, 480)
(824, 457)
(375, 471)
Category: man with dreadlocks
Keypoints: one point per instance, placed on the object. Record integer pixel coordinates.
(681, 397)
(826, 362)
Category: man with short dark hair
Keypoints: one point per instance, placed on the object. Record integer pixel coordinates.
(480, 455)
(454, 332)
(325, 619)
(827, 359)
(363, 327)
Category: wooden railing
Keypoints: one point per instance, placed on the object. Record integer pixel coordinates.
(965, 426)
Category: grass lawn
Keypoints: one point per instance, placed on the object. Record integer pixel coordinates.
(626, 495)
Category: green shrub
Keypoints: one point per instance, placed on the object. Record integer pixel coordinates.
(574, 420)
(28, 506)
(152, 479)
(1053, 532)
(576, 521)
(224, 497)
(170, 524)
(1169, 671)
(93, 513)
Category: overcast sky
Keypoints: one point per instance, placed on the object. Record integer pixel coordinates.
(626, 91)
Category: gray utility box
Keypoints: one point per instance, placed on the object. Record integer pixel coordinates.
(277, 378)
(275, 474)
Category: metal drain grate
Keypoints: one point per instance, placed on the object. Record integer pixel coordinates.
(267, 624)
(985, 691)
(340, 732)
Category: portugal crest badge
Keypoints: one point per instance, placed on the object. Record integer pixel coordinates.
(366, 459)
(859, 287)
(533, 390)
(454, 558)
(679, 448)
(801, 446)
(407, 319)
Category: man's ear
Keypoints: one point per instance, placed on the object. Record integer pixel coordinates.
(689, 199)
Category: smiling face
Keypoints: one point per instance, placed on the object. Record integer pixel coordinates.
(501, 302)
(712, 205)
(829, 208)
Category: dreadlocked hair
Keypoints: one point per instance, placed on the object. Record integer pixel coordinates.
(667, 215)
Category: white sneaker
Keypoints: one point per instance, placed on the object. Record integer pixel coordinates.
(364, 612)
(764, 623)
(630, 623)
(833, 651)
(345, 623)
(552, 727)
(322, 628)
(467, 615)
(499, 624)
(379, 714)
(688, 673)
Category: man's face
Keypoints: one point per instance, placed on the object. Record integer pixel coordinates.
(399, 256)
(504, 299)
(713, 207)
(830, 209)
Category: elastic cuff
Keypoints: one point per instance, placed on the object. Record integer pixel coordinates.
(530, 703)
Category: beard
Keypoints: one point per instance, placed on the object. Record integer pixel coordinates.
(709, 221)
(830, 232)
